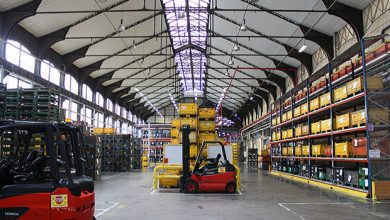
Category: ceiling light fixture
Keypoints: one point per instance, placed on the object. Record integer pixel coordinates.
(121, 27)
(182, 14)
(227, 72)
(251, 98)
(236, 47)
(136, 89)
(244, 27)
(304, 46)
(231, 62)
(134, 45)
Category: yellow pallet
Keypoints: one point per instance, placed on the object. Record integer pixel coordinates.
(175, 141)
(326, 125)
(284, 117)
(193, 150)
(305, 150)
(358, 118)
(315, 104)
(290, 151)
(284, 151)
(289, 133)
(316, 127)
(188, 109)
(343, 149)
(207, 137)
(289, 115)
(206, 126)
(192, 137)
(109, 131)
(206, 113)
(297, 111)
(192, 122)
(305, 129)
(340, 93)
(343, 121)
(357, 85)
(324, 99)
(317, 150)
(304, 108)
(284, 134)
(298, 131)
(298, 151)
(175, 132)
(175, 123)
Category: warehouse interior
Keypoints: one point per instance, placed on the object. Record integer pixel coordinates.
(235, 109)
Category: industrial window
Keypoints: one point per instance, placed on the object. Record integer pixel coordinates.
(117, 109)
(123, 112)
(88, 116)
(73, 111)
(71, 84)
(99, 100)
(109, 105)
(99, 120)
(49, 72)
(14, 82)
(19, 55)
(125, 128)
(108, 122)
(87, 93)
(117, 126)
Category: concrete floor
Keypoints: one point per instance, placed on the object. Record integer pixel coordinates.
(129, 196)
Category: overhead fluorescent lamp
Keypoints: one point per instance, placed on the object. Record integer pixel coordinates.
(121, 27)
(231, 62)
(236, 47)
(302, 48)
(136, 89)
(243, 26)
(182, 15)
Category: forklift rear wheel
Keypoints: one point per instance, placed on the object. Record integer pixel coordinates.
(190, 186)
(231, 187)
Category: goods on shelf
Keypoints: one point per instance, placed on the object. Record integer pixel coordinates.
(305, 150)
(359, 147)
(316, 127)
(277, 120)
(284, 134)
(253, 157)
(343, 149)
(289, 115)
(206, 125)
(298, 131)
(325, 99)
(305, 129)
(357, 85)
(318, 172)
(304, 108)
(192, 122)
(297, 111)
(378, 116)
(363, 178)
(289, 133)
(358, 118)
(328, 151)
(290, 151)
(284, 117)
(206, 113)
(338, 175)
(314, 104)
(343, 121)
(298, 150)
(304, 170)
(284, 151)
(351, 178)
(326, 125)
(187, 109)
(274, 122)
(318, 150)
(175, 123)
(340, 93)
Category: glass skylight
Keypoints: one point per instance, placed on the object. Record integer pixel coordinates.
(189, 29)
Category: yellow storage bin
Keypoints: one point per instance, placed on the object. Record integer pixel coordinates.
(290, 151)
(316, 127)
(279, 135)
(193, 150)
(326, 125)
(289, 133)
(343, 121)
(343, 149)
(298, 131)
(175, 123)
(315, 104)
(189, 121)
(358, 118)
(289, 115)
(357, 85)
(273, 121)
(298, 150)
(340, 93)
(207, 137)
(206, 126)
(284, 134)
(284, 151)
(273, 136)
(318, 150)
(297, 111)
(305, 130)
(206, 113)
(277, 120)
(324, 99)
(99, 131)
(378, 115)
(305, 150)
(304, 108)
(109, 130)
(175, 141)
(188, 109)
(175, 132)
(284, 117)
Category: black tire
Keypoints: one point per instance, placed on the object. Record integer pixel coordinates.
(231, 187)
(190, 186)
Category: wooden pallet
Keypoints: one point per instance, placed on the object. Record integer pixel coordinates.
(341, 156)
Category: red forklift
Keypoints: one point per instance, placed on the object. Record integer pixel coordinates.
(44, 172)
(209, 175)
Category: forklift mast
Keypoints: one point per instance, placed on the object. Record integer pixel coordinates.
(186, 155)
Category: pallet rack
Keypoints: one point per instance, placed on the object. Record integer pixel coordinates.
(152, 144)
(93, 146)
(3, 92)
(303, 155)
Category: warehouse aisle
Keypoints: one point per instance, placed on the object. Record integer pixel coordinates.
(129, 196)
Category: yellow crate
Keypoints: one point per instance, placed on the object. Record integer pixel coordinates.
(279, 135)
(358, 118)
(109, 130)
(99, 130)
(297, 111)
(284, 134)
(284, 151)
(206, 113)
(175, 141)
(206, 126)
(298, 150)
(290, 151)
(343, 121)
(304, 108)
(188, 109)
(315, 104)
(305, 129)
(378, 115)
(340, 93)
(189, 121)
(273, 136)
(175, 132)
(326, 125)
(289, 133)
(357, 85)
(305, 150)
(192, 137)
(284, 117)
(175, 123)
(289, 115)
(193, 150)
(343, 149)
(277, 120)
(298, 131)
(273, 121)
(324, 99)
(207, 137)
(316, 127)
(317, 150)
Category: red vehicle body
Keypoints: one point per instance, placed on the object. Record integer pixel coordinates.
(67, 194)
(215, 182)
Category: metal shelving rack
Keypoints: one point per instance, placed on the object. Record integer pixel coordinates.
(377, 161)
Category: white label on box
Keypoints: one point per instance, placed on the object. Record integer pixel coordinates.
(345, 148)
(366, 182)
(375, 153)
(349, 178)
(366, 171)
(341, 172)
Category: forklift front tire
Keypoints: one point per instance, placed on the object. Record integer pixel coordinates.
(190, 186)
(231, 187)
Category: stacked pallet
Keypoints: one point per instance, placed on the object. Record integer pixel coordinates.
(12, 104)
(206, 125)
(3, 92)
(93, 145)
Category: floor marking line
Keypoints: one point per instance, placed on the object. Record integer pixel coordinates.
(289, 210)
(239, 192)
(106, 210)
(318, 203)
(153, 192)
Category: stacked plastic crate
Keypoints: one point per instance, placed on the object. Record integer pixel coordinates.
(189, 116)
(206, 125)
(12, 103)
